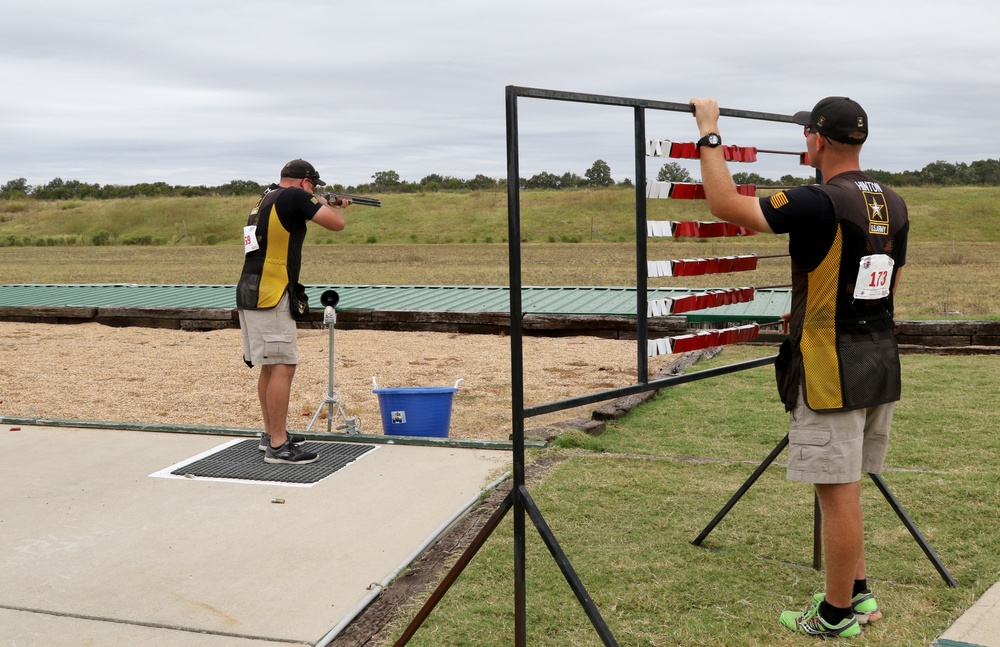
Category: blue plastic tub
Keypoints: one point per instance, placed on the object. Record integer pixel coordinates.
(416, 411)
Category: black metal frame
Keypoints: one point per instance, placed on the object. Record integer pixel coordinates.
(817, 516)
(518, 499)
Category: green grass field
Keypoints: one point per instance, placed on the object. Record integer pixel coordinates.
(626, 505)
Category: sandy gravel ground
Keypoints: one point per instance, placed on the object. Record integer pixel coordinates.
(142, 375)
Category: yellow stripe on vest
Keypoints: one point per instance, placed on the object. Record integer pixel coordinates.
(274, 277)
(819, 333)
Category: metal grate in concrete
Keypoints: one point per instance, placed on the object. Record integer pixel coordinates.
(243, 461)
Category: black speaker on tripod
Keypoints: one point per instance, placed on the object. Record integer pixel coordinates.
(330, 299)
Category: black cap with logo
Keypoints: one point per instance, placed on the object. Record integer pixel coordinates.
(302, 169)
(838, 118)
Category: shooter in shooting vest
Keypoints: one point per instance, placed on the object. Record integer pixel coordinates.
(268, 299)
(838, 373)
(844, 343)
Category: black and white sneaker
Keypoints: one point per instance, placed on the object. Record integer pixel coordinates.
(265, 440)
(289, 454)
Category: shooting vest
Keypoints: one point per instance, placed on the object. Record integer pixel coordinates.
(844, 347)
(270, 269)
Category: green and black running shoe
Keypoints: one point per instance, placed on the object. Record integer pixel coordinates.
(863, 605)
(811, 623)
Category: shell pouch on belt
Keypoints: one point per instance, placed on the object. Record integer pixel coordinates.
(298, 301)
(787, 375)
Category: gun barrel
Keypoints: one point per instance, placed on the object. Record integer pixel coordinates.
(357, 199)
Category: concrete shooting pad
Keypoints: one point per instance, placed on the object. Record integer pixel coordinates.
(102, 545)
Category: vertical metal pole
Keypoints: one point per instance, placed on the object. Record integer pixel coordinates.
(516, 365)
(642, 357)
(330, 399)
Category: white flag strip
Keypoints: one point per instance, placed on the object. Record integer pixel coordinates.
(657, 269)
(660, 228)
(662, 190)
(658, 147)
(659, 307)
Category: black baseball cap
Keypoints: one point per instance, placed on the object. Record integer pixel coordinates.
(302, 169)
(839, 118)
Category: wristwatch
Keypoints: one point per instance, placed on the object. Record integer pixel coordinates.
(711, 140)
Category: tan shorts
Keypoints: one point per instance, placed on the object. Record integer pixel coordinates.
(836, 447)
(269, 336)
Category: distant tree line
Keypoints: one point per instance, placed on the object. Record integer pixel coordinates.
(59, 189)
(940, 173)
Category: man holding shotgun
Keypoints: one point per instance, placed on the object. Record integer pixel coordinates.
(838, 373)
(267, 299)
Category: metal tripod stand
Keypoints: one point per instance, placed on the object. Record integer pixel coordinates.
(331, 400)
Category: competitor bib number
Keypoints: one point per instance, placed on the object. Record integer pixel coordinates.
(874, 275)
(250, 239)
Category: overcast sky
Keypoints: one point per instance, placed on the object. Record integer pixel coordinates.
(201, 93)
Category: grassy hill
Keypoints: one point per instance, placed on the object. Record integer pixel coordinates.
(574, 237)
(581, 215)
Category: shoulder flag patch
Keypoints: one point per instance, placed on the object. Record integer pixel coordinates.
(778, 200)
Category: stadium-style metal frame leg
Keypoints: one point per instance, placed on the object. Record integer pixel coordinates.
(817, 525)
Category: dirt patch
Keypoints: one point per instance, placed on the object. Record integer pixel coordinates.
(143, 375)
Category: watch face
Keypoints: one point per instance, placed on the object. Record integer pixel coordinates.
(714, 140)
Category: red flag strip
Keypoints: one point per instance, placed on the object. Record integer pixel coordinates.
(689, 150)
(699, 301)
(702, 339)
(688, 190)
(695, 229)
(699, 266)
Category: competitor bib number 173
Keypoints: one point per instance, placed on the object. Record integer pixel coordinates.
(874, 275)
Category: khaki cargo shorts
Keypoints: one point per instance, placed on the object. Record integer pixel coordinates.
(838, 446)
(269, 336)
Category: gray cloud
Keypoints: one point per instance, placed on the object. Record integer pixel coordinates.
(202, 93)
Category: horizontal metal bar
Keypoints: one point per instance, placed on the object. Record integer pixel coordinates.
(550, 407)
(601, 99)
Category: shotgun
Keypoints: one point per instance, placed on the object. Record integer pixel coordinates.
(334, 198)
